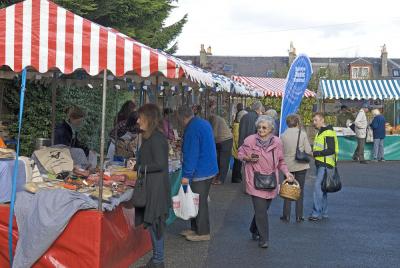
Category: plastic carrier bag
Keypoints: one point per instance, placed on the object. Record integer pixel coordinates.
(186, 205)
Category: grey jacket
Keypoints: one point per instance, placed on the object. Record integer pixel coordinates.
(289, 141)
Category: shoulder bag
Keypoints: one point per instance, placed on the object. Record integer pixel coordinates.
(301, 157)
(140, 190)
(266, 182)
(331, 183)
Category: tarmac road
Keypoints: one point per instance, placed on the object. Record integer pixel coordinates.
(363, 229)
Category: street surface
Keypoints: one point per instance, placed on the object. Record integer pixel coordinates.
(363, 229)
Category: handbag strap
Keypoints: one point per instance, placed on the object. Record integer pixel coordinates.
(298, 139)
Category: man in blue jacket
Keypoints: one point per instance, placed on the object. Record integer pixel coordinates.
(378, 127)
(199, 166)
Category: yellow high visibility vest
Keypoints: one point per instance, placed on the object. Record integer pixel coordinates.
(320, 144)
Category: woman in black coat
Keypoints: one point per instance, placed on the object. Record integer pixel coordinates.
(153, 158)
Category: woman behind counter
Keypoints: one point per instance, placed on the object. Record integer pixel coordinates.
(153, 157)
(67, 132)
(263, 153)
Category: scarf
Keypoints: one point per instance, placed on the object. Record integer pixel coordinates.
(264, 144)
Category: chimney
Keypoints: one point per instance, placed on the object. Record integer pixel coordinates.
(203, 56)
(209, 53)
(292, 53)
(384, 62)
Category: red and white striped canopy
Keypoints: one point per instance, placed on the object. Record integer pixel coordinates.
(40, 34)
(266, 86)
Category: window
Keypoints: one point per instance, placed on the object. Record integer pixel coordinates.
(360, 73)
(396, 72)
(228, 68)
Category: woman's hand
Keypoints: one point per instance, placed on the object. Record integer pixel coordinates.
(289, 177)
(251, 159)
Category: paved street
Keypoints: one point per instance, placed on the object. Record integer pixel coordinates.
(363, 229)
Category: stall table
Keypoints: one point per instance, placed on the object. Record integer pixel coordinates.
(347, 145)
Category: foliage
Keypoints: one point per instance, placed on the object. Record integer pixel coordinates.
(37, 114)
(143, 20)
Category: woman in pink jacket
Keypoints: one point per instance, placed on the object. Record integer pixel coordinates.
(262, 153)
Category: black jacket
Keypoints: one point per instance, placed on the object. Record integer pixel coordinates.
(247, 126)
(329, 149)
(153, 154)
(63, 135)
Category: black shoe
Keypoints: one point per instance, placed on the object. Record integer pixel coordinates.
(285, 219)
(151, 264)
(312, 218)
(263, 244)
(363, 162)
(255, 237)
(236, 181)
(299, 219)
(355, 159)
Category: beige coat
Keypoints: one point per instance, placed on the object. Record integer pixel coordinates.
(289, 141)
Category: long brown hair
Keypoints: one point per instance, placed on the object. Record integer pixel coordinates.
(153, 116)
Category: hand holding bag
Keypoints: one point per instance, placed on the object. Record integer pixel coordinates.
(331, 182)
(266, 182)
(139, 192)
(186, 205)
(301, 157)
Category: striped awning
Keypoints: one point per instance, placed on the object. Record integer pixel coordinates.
(359, 89)
(265, 86)
(43, 35)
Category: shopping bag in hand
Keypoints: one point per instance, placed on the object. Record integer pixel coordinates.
(331, 182)
(186, 205)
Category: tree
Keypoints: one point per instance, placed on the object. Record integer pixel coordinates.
(143, 20)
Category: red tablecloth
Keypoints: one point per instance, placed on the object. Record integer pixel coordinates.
(91, 239)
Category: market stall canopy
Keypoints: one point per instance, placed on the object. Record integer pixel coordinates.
(359, 89)
(266, 86)
(40, 34)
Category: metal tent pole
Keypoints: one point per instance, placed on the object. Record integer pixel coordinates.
(103, 123)
(53, 109)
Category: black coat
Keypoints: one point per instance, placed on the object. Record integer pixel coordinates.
(63, 135)
(247, 126)
(153, 154)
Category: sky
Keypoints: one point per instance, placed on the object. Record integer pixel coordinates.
(335, 28)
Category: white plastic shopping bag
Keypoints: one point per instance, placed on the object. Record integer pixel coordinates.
(186, 205)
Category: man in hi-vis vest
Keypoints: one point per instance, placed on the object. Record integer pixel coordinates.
(325, 151)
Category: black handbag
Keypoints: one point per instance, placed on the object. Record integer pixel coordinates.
(140, 190)
(300, 156)
(331, 183)
(265, 182)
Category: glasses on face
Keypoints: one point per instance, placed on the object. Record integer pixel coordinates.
(262, 127)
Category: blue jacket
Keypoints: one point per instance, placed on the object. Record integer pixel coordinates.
(199, 151)
(378, 126)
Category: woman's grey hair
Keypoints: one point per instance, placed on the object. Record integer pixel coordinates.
(266, 119)
(376, 112)
(272, 113)
(257, 105)
(185, 112)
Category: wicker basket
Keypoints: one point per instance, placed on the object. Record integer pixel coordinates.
(290, 190)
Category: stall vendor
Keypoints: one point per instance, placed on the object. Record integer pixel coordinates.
(344, 115)
(67, 132)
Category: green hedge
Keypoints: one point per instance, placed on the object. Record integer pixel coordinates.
(37, 114)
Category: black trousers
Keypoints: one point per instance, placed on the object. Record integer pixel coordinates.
(359, 152)
(201, 224)
(224, 152)
(300, 176)
(259, 224)
(237, 170)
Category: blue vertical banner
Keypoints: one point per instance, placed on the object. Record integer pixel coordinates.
(296, 83)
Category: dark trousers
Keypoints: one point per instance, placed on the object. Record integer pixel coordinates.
(237, 170)
(201, 224)
(224, 152)
(260, 225)
(300, 176)
(359, 152)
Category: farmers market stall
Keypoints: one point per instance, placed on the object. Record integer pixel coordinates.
(380, 94)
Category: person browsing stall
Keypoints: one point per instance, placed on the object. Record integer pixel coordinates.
(152, 161)
(199, 166)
